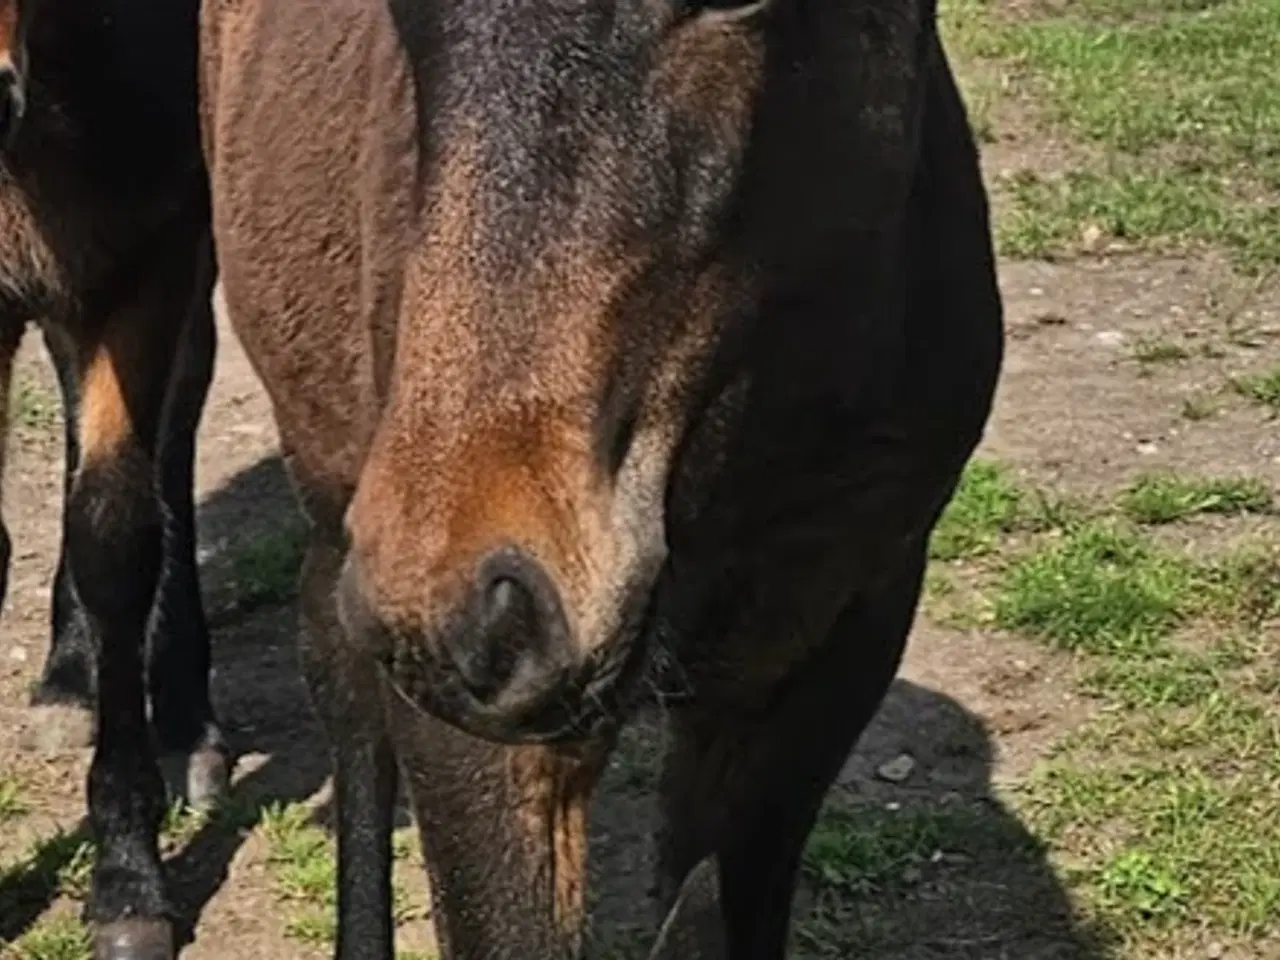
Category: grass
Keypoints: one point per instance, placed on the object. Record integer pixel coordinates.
(265, 570)
(1151, 812)
(33, 407)
(12, 802)
(61, 937)
(306, 874)
(1098, 588)
(1166, 498)
(867, 850)
(1165, 843)
(1163, 211)
(986, 504)
(1262, 389)
(1177, 100)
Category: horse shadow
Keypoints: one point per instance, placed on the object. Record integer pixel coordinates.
(258, 693)
(935, 867)
(988, 892)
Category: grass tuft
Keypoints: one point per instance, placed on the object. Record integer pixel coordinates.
(265, 570)
(1099, 588)
(1262, 389)
(61, 937)
(986, 504)
(1166, 498)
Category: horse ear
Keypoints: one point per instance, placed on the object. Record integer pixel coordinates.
(694, 927)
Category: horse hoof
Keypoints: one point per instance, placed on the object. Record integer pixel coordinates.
(199, 779)
(57, 728)
(134, 939)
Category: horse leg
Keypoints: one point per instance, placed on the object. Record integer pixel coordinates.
(748, 787)
(194, 757)
(344, 690)
(115, 553)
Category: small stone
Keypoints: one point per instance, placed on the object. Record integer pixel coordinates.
(1109, 338)
(898, 769)
(1215, 952)
(1148, 449)
(893, 806)
(1091, 237)
(18, 654)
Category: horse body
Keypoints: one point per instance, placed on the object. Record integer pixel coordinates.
(609, 342)
(105, 242)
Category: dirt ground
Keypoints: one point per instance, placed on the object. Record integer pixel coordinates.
(975, 709)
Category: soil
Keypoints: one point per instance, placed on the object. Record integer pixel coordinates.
(1075, 412)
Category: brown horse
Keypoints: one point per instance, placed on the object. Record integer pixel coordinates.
(104, 241)
(613, 344)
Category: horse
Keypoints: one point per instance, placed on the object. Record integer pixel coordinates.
(615, 347)
(105, 244)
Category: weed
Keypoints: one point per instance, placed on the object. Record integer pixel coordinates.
(985, 504)
(1262, 389)
(59, 938)
(1166, 498)
(1098, 588)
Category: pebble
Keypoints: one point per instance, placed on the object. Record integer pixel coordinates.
(1109, 338)
(898, 769)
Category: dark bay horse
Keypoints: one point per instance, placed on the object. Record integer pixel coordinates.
(105, 243)
(613, 345)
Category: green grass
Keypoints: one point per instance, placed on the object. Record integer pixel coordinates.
(986, 504)
(1099, 587)
(57, 938)
(12, 802)
(1120, 11)
(1166, 498)
(1205, 83)
(1166, 211)
(1179, 98)
(1150, 812)
(33, 407)
(306, 873)
(867, 850)
(265, 570)
(1262, 389)
(1166, 843)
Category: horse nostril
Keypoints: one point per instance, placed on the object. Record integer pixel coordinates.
(513, 641)
(508, 605)
(508, 622)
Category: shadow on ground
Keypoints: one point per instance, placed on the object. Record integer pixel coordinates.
(259, 696)
(258, 690)
(937, 867)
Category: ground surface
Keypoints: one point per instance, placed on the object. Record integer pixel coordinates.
(1090, 708)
